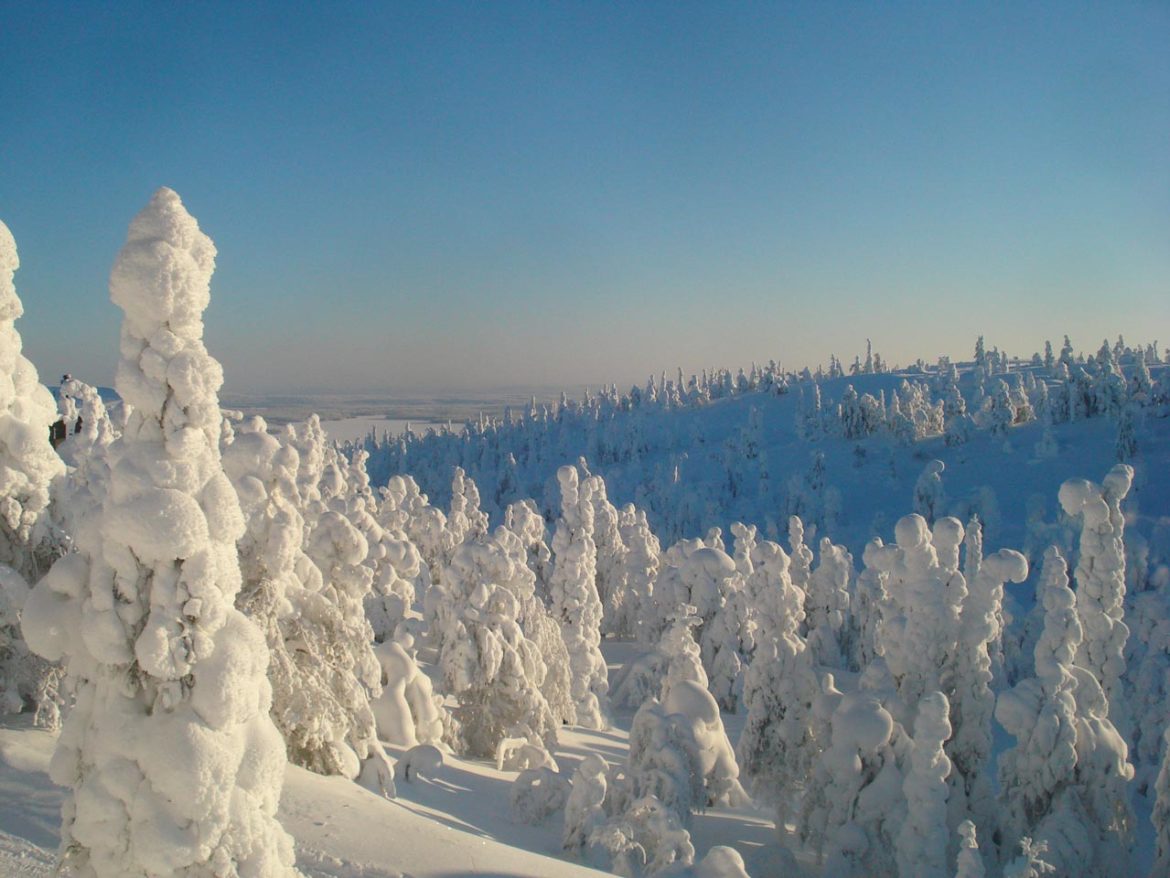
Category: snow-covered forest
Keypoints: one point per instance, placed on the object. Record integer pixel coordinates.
(849, 620)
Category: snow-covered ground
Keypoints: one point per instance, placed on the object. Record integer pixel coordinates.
(454, 822)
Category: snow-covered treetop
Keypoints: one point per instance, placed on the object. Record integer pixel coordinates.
(161, 280)
(10, 305)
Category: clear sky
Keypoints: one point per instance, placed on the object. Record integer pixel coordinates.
(409, 196)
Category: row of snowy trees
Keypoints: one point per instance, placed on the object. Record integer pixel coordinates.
(654, 460)
(222, 598)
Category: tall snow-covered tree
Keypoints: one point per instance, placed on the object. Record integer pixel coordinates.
(1064, 783)
(1100, 578)
(575, 603)
(322, 670)
(922, 841)
(174, 764)
(778, 746)
(27, 461)
(28, 542)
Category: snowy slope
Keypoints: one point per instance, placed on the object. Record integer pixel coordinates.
(454, 823)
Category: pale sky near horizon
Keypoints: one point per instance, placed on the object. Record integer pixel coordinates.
(411, 196)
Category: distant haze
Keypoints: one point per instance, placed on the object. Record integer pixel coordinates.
(415, 196)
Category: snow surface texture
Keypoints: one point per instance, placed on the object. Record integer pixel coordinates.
(174, 764)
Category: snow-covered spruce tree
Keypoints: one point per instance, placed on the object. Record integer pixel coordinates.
(1064, 783)
(611, 561)
(466, 521)
(642, 563)
(393, 560)
(969, 863)
(27, 461)
(575, 604)
(826, 606)
(717, 767)
(487, 662)
(854, 804)
(1160, 816)
(778, 746)
(525, 520)
(93, 430)
(801, 557)
(322, 671)
(929, 495)
(174, 764)
(922, 841)
(28, 540)
(918, 635)
(664, 761)
(535, 619)
(1100, 578)
(1150, 614)
(973, 700)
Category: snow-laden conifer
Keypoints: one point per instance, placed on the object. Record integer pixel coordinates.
(323, 672)
(922, 841)
(826, 605)
(642, 563)
(1100, 578)
(174, 764)
(1160, 815)
(28, 540)
(575, 603)
(487, 662)
(1064, 783)
(611, 561)
(973, 699)
(778, 745)
(27, 461)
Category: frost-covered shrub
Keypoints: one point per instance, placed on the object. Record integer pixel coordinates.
(647, 839)
(174, 764)
(690, 703)
(408, 712)
(583, 808)
(537, 794)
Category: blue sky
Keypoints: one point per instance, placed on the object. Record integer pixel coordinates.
(410, 196)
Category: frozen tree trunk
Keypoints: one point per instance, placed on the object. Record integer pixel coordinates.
(174, 764)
